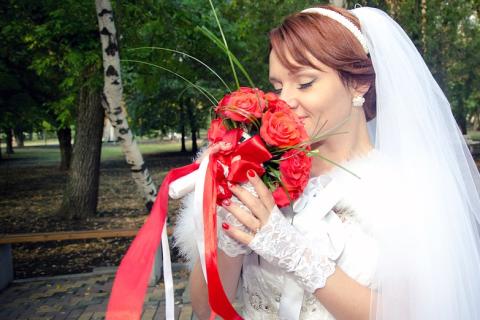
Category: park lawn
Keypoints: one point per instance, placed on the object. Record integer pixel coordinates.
(31, 188)
(49, 154)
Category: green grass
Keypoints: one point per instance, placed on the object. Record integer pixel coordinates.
(474, 135)
(46, 154)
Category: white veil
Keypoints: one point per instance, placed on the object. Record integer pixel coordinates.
(429, 256)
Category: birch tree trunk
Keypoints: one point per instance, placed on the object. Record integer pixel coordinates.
(113, 104)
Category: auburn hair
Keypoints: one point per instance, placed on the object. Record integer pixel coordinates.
(330, 43)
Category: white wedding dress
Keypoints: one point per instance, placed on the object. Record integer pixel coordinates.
(336, 213)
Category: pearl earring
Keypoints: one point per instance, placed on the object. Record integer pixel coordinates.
(358, 101)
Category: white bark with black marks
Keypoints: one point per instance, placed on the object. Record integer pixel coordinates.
(113, 104)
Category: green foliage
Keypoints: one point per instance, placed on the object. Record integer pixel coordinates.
(153, 95)
(449, 42)
(52, 48)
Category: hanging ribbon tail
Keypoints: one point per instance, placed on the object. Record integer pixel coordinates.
(217, 298)
(130, 284)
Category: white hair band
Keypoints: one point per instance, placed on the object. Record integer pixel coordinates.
(342, 20)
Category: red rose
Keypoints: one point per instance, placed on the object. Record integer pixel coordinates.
(216, 131)
(295, 168)
(281, 198)
(242, 105)
(275, 103)
(282, 128)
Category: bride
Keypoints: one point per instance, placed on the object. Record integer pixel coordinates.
(395, 236)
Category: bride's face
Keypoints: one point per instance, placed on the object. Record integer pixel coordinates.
(317, 96)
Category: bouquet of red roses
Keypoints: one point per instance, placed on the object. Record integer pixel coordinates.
(267, 137)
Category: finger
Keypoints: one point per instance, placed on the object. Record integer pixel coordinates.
(262, 190)
(253, 203)
(237, 234)
(244, 217)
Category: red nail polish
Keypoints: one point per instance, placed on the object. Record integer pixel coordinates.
(225, 226)
(251, 173)
(226, 202)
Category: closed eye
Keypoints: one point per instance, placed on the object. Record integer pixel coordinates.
(302, 86)
(306, 85)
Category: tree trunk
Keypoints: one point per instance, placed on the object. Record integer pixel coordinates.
(184, 147)
(194, 142)
(112, 102)
(424, 27)
(461, 116)
(9, 141)
(65, 141)
(339, 3)
(393, 8)
(81, 194)
(182, 124)
(19, 137)
(190, 105)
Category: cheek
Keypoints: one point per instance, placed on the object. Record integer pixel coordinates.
(329, 102)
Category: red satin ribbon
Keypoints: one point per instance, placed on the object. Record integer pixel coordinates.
(131, 280)
(249, 154)
(216, 295)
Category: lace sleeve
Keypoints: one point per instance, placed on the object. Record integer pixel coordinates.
(227, 244)
(279, 243)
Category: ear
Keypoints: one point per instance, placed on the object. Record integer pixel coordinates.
(359, 89)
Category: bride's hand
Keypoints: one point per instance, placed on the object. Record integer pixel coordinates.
(275, 239)
(260, 208)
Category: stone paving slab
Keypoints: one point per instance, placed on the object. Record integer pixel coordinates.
(84, 297)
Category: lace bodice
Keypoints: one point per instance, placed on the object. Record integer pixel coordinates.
(333, 213)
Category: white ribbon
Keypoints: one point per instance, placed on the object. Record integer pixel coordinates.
(198, 212)
(167, 277)
(312, 218)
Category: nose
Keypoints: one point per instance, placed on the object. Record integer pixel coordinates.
(290, 99)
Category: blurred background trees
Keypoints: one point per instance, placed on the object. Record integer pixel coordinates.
(48, 48)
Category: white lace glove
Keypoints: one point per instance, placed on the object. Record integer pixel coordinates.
(226, 243)
(281, 244)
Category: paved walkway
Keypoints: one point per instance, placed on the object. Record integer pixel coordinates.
(84, 297)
